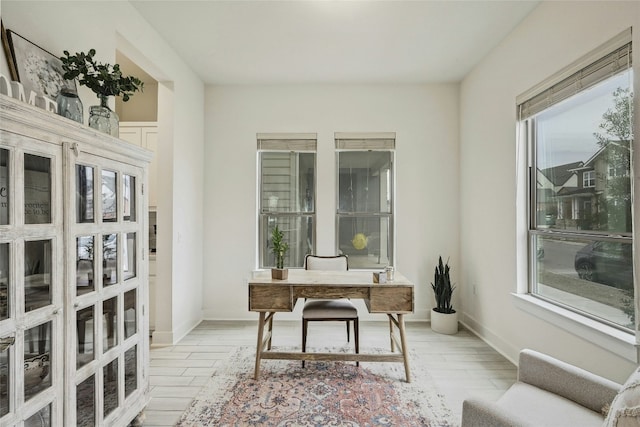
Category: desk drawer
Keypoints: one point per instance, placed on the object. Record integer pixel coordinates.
(330, 292)
(270, 298)
(385, 299)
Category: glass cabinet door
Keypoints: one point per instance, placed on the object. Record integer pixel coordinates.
(108, 288)
(31, 240)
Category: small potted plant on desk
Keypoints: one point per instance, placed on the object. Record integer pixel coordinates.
(280, 248)
(444, 318)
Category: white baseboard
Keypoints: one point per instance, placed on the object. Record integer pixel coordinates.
(494, 341)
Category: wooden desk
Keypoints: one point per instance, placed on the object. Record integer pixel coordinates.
(268, 296)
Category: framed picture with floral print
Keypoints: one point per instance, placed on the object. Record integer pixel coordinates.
(37, 69)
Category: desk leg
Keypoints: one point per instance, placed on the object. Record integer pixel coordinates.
(259, 346)
(403, 342)
(393, 347)
(270, 332)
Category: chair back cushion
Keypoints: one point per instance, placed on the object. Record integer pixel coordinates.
(329, 263)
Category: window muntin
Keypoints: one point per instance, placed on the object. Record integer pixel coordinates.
(364, 217)
(580, 251)
(287, 199)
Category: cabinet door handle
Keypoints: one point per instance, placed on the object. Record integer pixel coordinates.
(6, 343)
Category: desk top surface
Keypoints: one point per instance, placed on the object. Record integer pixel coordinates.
(299, 277)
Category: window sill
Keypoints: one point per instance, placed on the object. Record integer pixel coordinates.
(614, 340)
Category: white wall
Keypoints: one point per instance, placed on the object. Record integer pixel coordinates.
(551, 37)
(425, 119)
(107, 26)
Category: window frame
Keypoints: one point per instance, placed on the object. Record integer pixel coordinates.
(369, 142)
(608, 336)
(589, 179)
(283, 143)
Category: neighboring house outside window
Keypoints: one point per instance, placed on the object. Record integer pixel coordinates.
(580, 222)
(287, 174)
(365, 199)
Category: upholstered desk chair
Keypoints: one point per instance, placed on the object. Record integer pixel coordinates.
(319, 310)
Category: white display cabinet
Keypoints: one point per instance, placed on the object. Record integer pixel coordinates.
(74, 342)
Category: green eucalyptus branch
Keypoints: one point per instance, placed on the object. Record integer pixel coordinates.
(103, 79)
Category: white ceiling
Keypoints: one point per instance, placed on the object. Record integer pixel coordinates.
(298, 41)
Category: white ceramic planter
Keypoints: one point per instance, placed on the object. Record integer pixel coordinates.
(444, 323)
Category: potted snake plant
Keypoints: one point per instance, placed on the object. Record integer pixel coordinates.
(280, 248)
(444, 318)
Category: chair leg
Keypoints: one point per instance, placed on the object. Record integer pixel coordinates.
(305, 324)
(356, 332)
(348, 338)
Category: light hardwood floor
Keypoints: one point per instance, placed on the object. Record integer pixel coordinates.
(461, 365)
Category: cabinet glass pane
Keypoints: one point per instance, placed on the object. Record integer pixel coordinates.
(4, 281)
(4, 379)
(37, 189)
(85, 403)
(130, 313)
(37, 274)
(110, 373)
(84, 327)
(42, 418)
(4, 186)
(130, 256)
(37, 359)
(110, 318)
(109, 259)
(109, 197)
(130, 370)
(84, 193)
(84, 264)
(129, 193)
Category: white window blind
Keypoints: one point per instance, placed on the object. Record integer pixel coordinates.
(365, 141)
(287, 141)
(615, 57)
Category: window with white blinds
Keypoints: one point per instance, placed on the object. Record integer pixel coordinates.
(365, 198)
(578, 130)
(287, 174)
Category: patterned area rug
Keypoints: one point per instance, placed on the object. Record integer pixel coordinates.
(322, 394)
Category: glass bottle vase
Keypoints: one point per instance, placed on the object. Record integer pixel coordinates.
(70, 105)
(103, 119)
